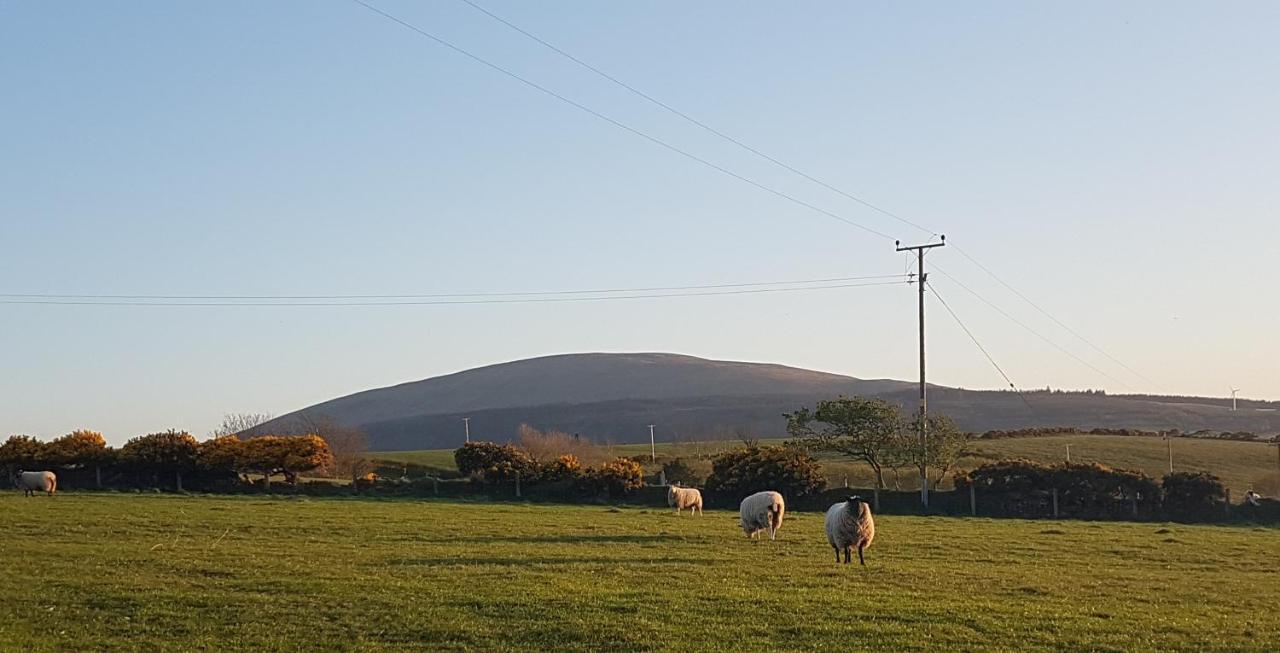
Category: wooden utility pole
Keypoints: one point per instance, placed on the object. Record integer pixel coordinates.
(921, 277)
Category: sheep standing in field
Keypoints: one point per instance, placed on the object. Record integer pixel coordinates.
(762, 511)
(684, 497)
(849, 525)
(32, 482)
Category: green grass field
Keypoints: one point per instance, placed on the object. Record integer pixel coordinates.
(1241, 465)
(125, 572)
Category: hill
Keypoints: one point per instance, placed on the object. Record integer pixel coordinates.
(613, 397)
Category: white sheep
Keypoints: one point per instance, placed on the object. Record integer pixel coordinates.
(762, 511)
(32, 482)
(684, 497)
(850, 524)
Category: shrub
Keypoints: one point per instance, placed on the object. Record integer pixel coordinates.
(1193, 495)
(22, 452)
(616, 477)
(77, 448)
(745, 470)
(563, 468)
(1025, 488)
(495, 462)
(683, 471)
(221, 456)
(170, 452)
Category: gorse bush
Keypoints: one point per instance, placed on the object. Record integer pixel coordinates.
(495, 462)
(22, 452)
(1193, 495)
(684, 471)
(170, 453)
(617, 478)
(749, 469)
(1024, 488)
(563, 468)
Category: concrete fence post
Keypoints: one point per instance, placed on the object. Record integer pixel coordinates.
(973, 500)
(1055, 503)
(1226, 506)
(517, 485)
(435, 486)
(875, 498)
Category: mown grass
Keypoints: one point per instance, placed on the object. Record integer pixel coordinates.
(1241, 465)
(174, 573)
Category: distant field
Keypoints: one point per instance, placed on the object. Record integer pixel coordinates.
(1241, 465)
(172, 573)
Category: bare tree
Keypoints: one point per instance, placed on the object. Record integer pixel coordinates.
(349, 444)
(240, 423)
(545, 447)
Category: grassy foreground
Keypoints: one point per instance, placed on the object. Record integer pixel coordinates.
(173, 573)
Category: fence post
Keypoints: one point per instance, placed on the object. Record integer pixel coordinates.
(517, 485)
(1055, 503)
(875, 498)
(435, 486)
(1135, 504)
(973, 500)
(1226, 507)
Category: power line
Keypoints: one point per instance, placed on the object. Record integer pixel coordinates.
(696, 122)
(446, 302)
(1027, 328)
(982, 349)
(619, 124)
(454, 295)
(1055, 320)
(708, 128)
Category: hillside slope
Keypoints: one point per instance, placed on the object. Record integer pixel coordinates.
(615, 396)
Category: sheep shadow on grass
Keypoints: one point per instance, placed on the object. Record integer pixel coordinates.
(531, 561)
(556, 539)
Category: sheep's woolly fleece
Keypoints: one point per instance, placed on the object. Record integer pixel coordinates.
(762, 511)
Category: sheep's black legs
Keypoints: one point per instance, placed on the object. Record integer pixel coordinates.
(860, 560)
(846, 555)
(837, 554)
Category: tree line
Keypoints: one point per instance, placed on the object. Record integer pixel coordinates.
(170, 458)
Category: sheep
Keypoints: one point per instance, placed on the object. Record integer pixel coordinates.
(684, 497)
(762, 511)
(850, 524)
(32, 482)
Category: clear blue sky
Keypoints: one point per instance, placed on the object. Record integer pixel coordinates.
(1116, 162)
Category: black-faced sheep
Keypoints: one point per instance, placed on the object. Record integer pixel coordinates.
(32, 482)
(850, 525)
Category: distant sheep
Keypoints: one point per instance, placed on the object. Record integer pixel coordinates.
(684, 497)
(762, 511)
(850, 525)
(32, 482)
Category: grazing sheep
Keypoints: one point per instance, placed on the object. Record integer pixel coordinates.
(849, 524)
(32, 482)
(684, 497)
(762, 511)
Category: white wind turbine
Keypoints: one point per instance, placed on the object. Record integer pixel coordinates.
(1233, 397)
